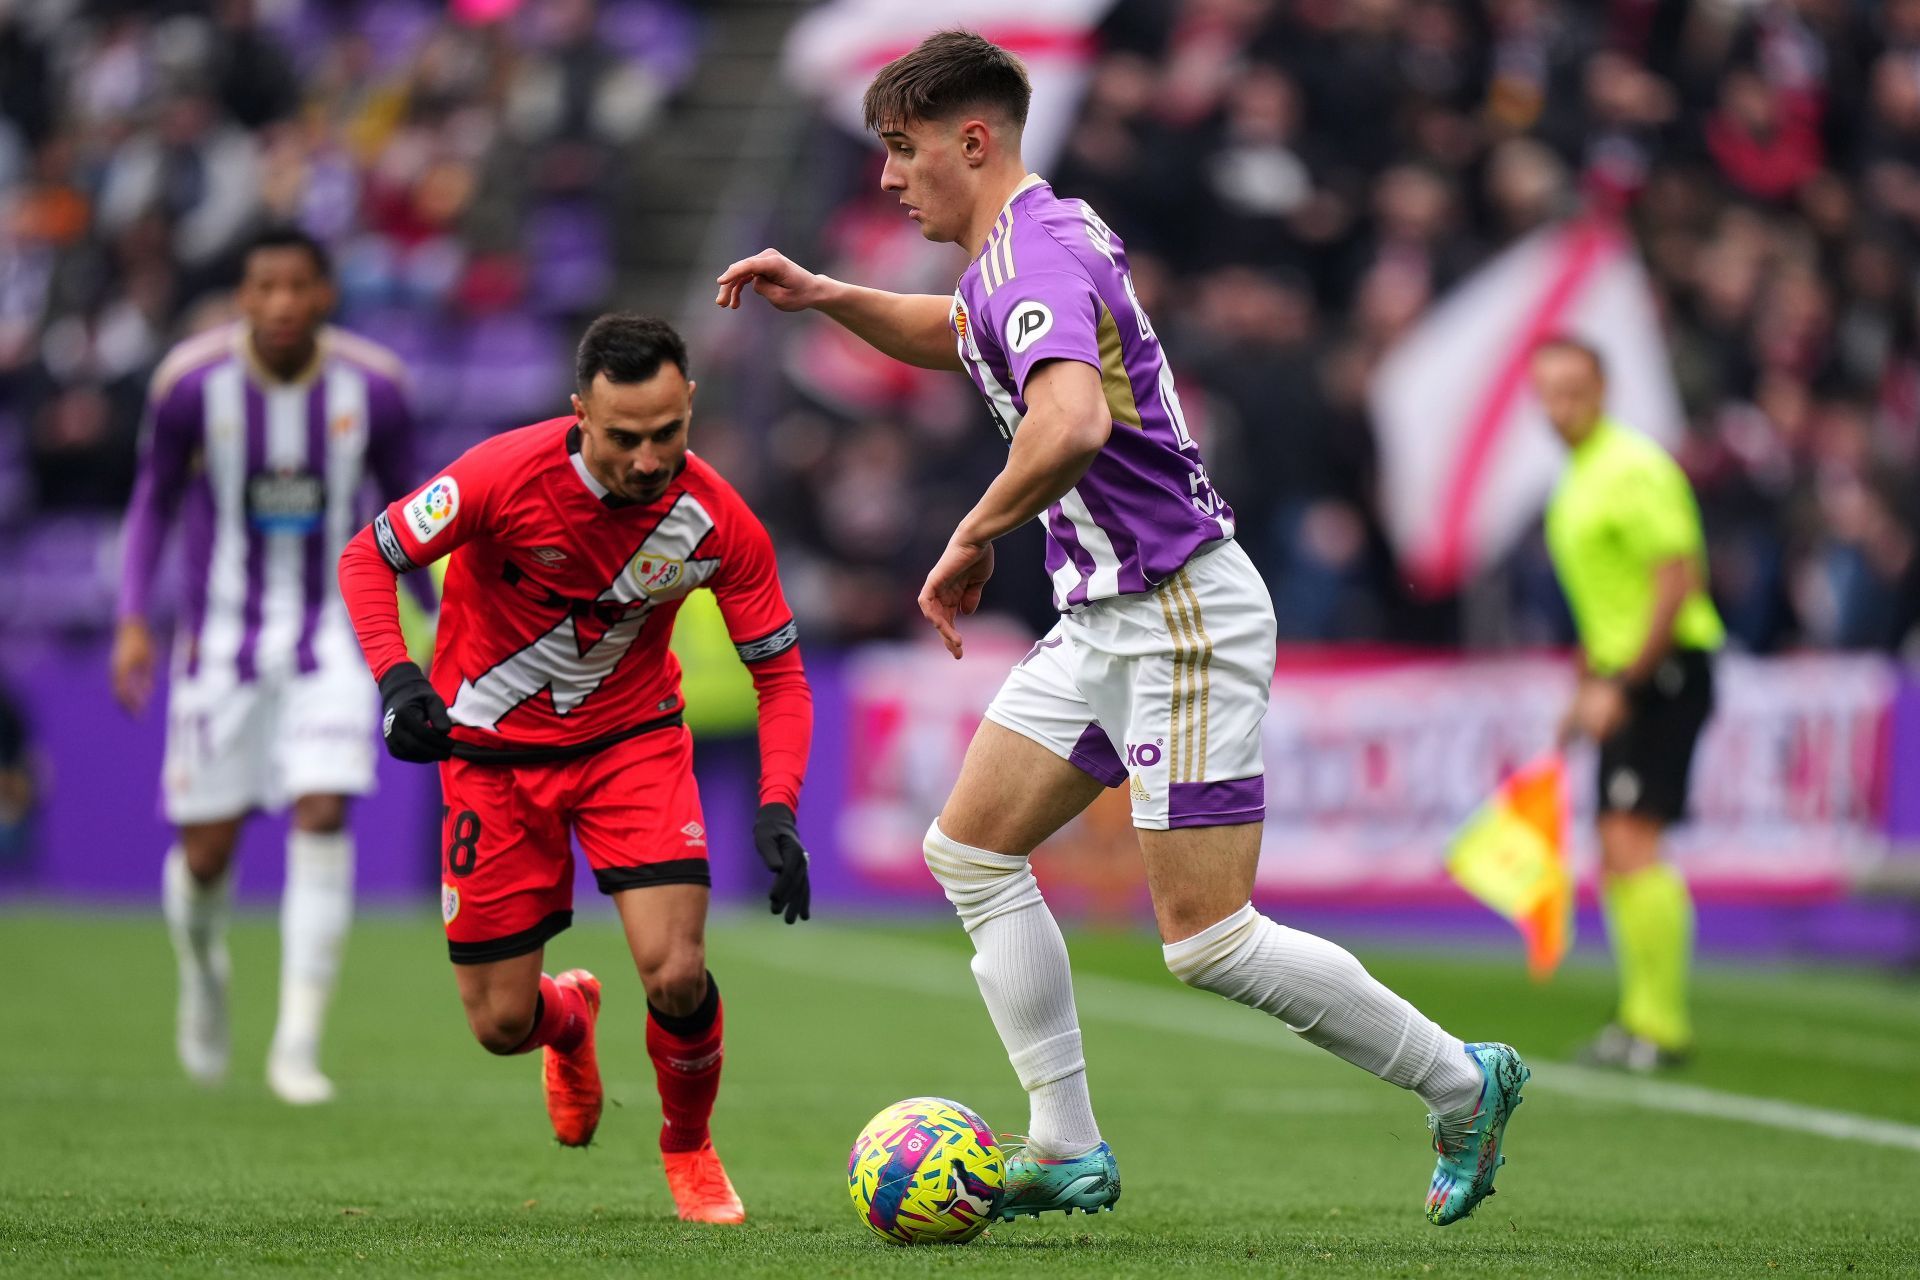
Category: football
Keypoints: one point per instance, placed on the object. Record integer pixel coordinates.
(926, 1171)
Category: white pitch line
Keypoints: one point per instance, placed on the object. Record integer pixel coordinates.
(913, 967)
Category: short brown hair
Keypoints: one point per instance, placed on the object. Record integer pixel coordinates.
(1579, 346)
(945, 74)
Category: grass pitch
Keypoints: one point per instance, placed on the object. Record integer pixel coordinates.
(1242, 1150)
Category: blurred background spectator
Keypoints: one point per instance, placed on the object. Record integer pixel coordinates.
(466, 162)
(1297, 182)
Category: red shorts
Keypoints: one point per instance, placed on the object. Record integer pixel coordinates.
(506, 865)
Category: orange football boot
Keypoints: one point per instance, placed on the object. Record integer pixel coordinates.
(701, 1189)
(574, 1095)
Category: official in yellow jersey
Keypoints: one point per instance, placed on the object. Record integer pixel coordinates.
(1624, 533)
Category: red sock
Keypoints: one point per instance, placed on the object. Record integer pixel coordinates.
(559, 1019)
(686, 1065)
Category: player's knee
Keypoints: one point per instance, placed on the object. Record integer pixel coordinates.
(678, 984)
(979, 883)
(320, 815)
(499, 1031)
(500, 1022)
(1204, 958)
(209, 848)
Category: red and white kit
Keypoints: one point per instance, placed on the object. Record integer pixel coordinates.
(552, 659)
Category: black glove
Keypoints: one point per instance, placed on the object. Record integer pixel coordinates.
(415, 723)
(778, 841)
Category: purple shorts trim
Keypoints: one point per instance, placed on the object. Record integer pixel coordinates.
(1216, 804)
(1094, 756)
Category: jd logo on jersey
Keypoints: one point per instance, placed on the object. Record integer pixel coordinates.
(656, 574)
(1028, 324)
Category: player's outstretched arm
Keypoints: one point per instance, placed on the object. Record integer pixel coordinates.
(910, 327)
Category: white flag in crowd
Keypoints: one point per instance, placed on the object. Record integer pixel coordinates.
(1467, 457)
(835, 49)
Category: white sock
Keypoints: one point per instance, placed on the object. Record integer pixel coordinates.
(315, 910)
(1020, 962)
(196, 913)
(1329, 999)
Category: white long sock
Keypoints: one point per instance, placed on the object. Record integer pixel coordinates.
(315, 910)
(1020, 962)
(196, 913)
(1325, 995)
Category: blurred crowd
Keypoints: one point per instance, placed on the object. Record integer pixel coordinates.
(461, 159)
(1298, 180)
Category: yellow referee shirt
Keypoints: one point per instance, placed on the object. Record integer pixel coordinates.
(1622, 509)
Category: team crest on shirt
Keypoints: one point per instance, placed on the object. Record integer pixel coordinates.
(963, 327)
(658, 574)
(433, 508)
(449, 903)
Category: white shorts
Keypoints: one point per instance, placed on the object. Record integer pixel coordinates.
(233, 747)
(1162, 691)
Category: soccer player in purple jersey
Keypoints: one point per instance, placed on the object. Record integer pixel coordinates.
(260, 435)
(1156, 676)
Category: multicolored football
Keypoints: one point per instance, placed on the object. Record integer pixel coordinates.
(926, 1171)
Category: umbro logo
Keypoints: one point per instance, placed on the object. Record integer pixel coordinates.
(549, 555)
(695, 833)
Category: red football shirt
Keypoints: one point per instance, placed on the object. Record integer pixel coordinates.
(560, 597)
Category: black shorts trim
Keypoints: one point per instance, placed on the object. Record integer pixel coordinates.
(514, 944)
(571, 751)
(648, 875)
(1647, 767)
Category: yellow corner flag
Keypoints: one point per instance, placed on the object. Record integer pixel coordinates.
(1512, 855)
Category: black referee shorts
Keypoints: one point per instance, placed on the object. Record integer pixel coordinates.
(1645, 768)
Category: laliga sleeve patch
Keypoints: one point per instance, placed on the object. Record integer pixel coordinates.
(1028, 324)
(433, 508)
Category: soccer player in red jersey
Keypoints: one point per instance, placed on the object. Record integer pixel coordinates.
(554, 709)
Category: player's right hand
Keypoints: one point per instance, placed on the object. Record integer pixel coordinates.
(415, 722)
(786, 284)
(132, 664)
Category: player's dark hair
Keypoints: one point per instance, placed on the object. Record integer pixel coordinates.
(285, 237)
(947, 73)
(1580, 346)
(627, 348)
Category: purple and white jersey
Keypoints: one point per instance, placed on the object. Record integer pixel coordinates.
(1052, 284)
(270, 475)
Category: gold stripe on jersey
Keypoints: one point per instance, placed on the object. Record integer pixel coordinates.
(1006, 253)
(1206, 671)
(1114, 382)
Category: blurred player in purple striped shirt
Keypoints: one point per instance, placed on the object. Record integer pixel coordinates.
(1156, 676)
(260, 436)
